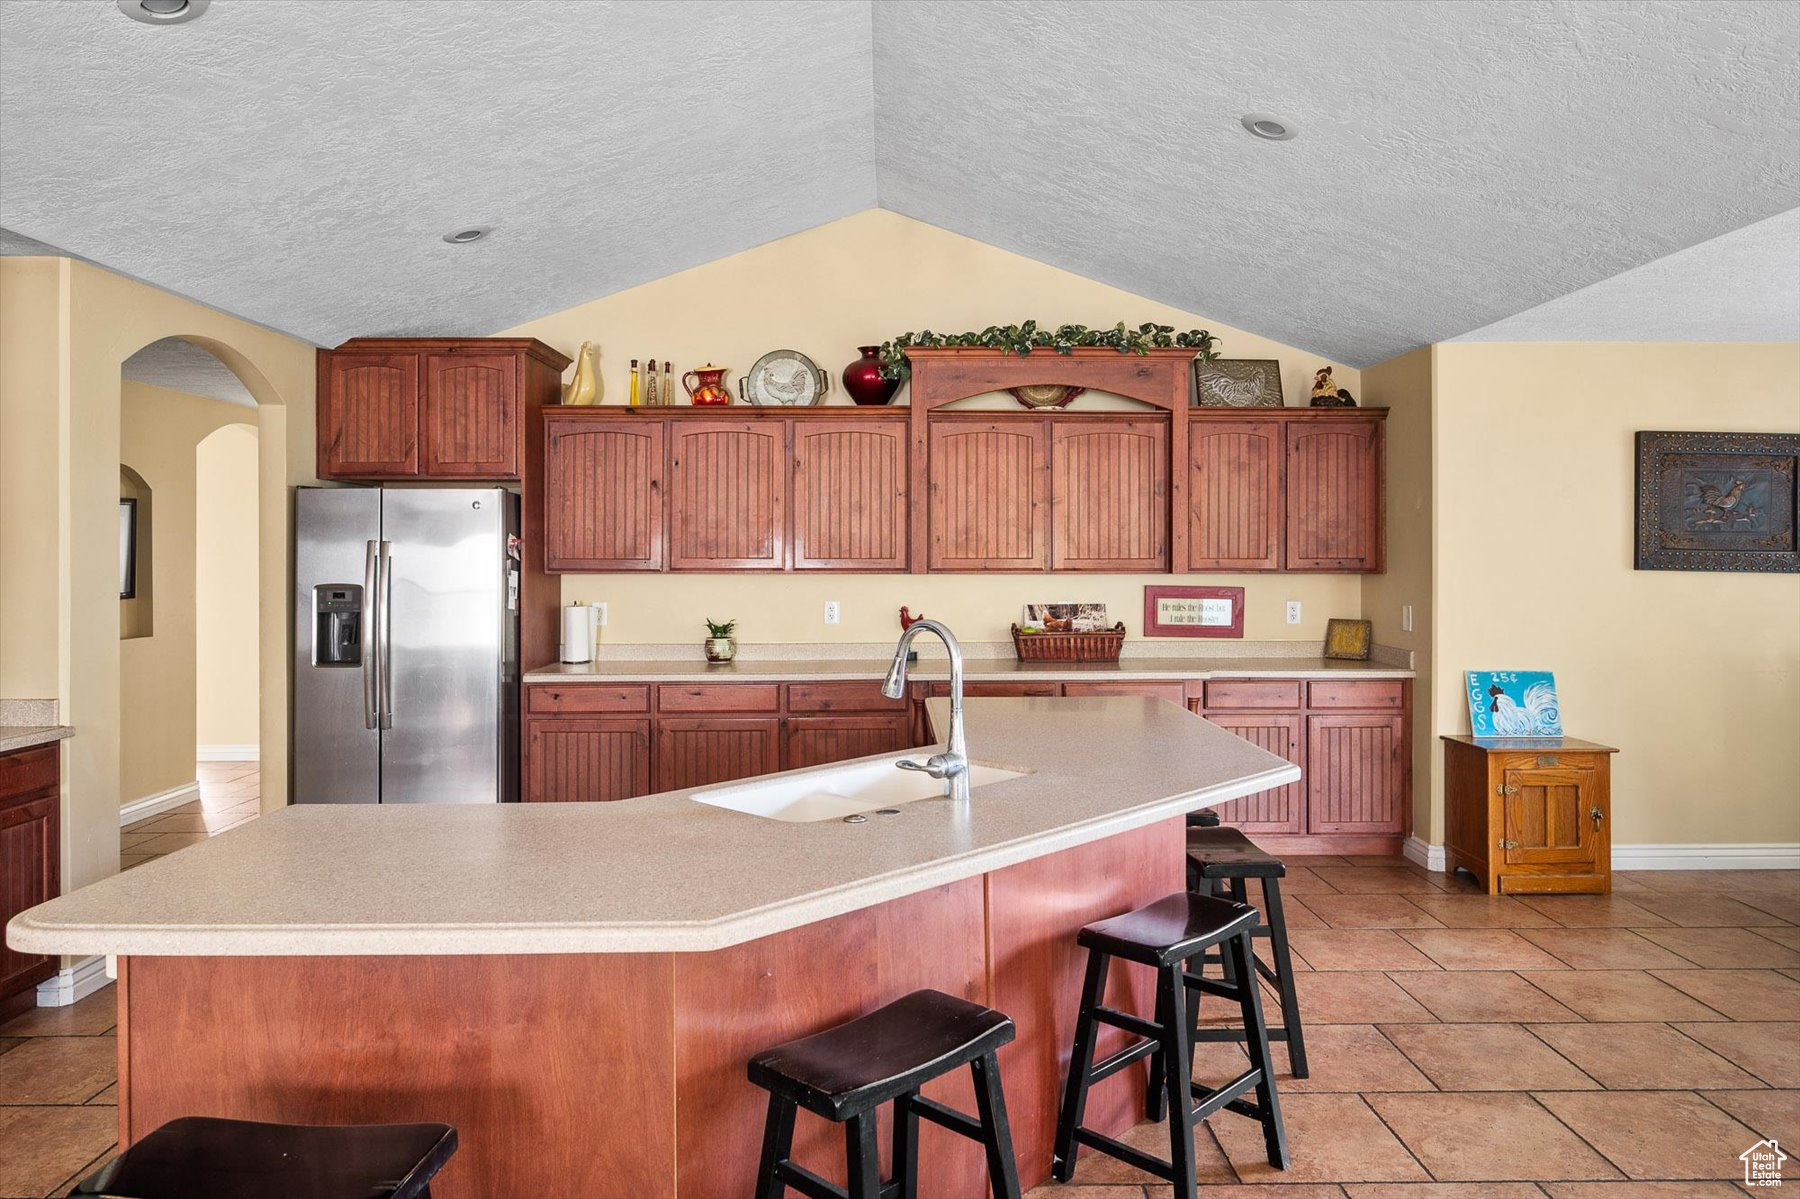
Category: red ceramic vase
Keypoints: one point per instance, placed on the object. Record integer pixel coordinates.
(863, 381)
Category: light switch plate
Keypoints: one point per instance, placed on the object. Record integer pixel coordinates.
(1406, 618)
(1293, 611)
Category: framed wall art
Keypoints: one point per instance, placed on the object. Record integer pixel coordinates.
(1193, 611)
(1717, 501)
(1237, 383)
(1349, 640)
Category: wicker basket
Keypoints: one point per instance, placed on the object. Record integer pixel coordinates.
(1102, 646)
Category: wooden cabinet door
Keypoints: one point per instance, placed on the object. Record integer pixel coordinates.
(986, 508)
(471, 412)
(603, 494)
(1334, 509)
(1355, 773)
(1234, 495)
(850, 488)
(1549, 816)
(816, 740)
(577, 760)
(727, 495)
(1109, 495)
(368, 415)
(29, 874)
(1279, 809)
(696, 751)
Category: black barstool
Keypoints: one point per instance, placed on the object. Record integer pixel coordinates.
(201, 1157)
(1226, 856)
(846, 1073)
(1165, 936)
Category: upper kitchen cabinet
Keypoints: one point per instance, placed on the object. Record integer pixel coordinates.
(431, 408)
(728, 495)
(849, 498)
(988, 485)
(603, 493)
(1109, 495)
(1334, 493)
(1234, 495)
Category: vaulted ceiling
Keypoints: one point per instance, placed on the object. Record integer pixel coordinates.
(296, 161)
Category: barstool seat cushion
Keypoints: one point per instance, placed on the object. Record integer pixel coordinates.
(1170, 930)
(203, 1157)
(1226, 853)
(894, 1049)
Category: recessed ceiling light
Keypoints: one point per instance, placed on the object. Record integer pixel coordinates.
(162, 12)
(462, 237)
(1269, 128)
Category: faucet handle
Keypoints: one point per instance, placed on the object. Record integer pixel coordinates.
(909, 764)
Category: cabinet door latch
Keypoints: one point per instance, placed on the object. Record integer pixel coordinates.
(1507, 843)
(1506, 789)
(1596, 815)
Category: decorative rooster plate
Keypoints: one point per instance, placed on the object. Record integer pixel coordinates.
(784, 377)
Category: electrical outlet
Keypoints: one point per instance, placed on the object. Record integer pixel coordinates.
(831, 611)
(1293, 611)
(1406, 618)
(599, 614)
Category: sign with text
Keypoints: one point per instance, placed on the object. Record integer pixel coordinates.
(1193, 611)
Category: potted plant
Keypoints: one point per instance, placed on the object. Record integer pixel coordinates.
(721, 646)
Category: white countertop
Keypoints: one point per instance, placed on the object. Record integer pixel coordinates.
(657, 874)
(976, 670)
(14, 736)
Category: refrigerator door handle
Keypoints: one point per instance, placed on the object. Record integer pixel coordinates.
(371, 647)
(385, 631)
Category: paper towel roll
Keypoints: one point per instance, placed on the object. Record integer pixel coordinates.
(577, 633)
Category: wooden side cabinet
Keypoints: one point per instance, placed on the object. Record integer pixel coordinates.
(1529, 816)
(30, 867)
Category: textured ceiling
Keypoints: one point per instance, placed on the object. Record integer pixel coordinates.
(295, 161)
(180, 365)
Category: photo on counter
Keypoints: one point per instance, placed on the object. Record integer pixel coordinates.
(1063, 618)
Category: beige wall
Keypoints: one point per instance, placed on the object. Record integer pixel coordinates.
(1694, 676)
(1403, 385)
(858, 281)
(226, 675)
(101, 319)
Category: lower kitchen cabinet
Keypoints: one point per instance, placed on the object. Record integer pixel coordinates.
(1280, 809)
(816, 740)
(29, 862)
(573, 758)
(697, 751)
(1355, 771)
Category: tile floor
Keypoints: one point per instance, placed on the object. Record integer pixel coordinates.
(1463, 1047)
(58, 1118)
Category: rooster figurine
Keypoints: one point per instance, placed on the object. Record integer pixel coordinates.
(907, 619)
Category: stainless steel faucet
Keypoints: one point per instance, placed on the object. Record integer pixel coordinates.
(952, 765)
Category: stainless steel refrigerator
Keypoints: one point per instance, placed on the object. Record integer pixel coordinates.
(406, 646)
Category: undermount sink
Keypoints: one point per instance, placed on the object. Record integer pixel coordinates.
(834, 792)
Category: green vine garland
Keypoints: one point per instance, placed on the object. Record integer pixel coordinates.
(1023, 339)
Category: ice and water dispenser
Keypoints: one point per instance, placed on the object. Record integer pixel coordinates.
(337, 624)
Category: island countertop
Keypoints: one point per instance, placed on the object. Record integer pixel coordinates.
(661, 873)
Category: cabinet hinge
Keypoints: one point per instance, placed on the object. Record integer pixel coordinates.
(1505, 843)
(1506, 789)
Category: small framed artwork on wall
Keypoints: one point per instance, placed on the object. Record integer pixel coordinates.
(1193, 611)
(1717, 501)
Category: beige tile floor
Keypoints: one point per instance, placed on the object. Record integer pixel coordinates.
(1465, 1047)
(58, 1118)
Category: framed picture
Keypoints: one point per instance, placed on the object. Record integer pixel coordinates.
(1717, 501)
(128, 546)
(1349, 640)
(1193, 611)
(1238, 383)
(1513, 703)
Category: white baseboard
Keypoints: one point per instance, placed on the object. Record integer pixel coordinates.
(1429, 856)
(1775, 856)
(73, 982)
(154, 805)
(228, 753)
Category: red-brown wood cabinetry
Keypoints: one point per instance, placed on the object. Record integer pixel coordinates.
(30, 868)
(988, 483)
(603, 494)
(1334, 496)
(696, 751)
(1109, 495)
(368, 405)
(580, 758)
(1355, 772)
(1234, 495)
(727, 495)
(1279, 809)
(849, 500)
(472, 414)
(816, 740)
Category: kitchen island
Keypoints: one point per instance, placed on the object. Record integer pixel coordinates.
(577, 987)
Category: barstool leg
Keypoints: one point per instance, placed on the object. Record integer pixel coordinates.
(906, 1146)
(1256, 1041)
(865, 1156)
(1284, 977)
(1177, 1054)
(990, 1105)
(778, 1142)
(1074, 1103)
(1155, 1093)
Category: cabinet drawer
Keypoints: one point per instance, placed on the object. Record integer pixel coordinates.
(27, 770)
(718, 697)
(1383, 696)
(841, 697)
(1175, 693)
(1243, 695)
(588, 697)
(1000, 690)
